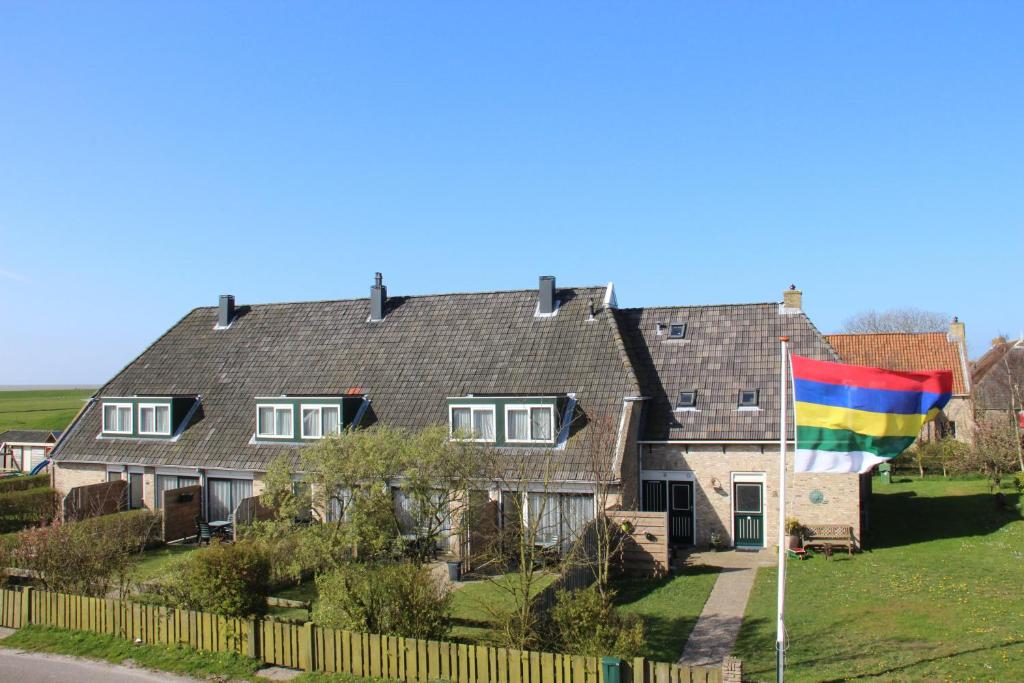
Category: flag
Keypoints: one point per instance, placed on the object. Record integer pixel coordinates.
(849, 418)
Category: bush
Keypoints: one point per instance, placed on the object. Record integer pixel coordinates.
(229, 579)
(27, 507)
(1018, 482)
(20, 483)
(90, 557)
(391, 599)
(585, 622)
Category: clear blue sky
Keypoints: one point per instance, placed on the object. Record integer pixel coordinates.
(153, 157)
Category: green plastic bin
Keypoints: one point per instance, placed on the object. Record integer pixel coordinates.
(885, 471)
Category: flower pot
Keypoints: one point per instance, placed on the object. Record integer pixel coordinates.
(793, 541)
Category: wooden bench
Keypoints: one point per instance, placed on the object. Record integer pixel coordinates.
(825, 537)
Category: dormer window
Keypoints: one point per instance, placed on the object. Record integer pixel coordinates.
(687, 399)
(475, 422)
(524, 423)
(677, 331)
(155, 419)
(320, 420)
(117, 418)
(749, 398)
(274, 421)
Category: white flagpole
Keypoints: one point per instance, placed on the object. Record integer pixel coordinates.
(780, 635)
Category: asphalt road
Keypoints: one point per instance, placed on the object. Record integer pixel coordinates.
(31, 667)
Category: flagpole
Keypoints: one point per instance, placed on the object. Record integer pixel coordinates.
(780, 634)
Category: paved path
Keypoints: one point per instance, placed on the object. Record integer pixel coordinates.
(714, 635)
(34, 667)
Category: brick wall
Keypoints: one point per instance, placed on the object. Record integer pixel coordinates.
(67, 476)
(838, 503)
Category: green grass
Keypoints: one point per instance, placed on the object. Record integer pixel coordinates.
(669, 608)
(305, 591)
(476, 605)
(938, 597)
(116, 650)
(158, 562)
(43, 409)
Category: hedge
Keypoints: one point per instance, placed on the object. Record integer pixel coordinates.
(20, 483)
(30, 507)
(141, 528)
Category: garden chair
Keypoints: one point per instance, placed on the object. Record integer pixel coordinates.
(202, 532)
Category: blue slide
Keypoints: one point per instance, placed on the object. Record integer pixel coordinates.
(40, 467)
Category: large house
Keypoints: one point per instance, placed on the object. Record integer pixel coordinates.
(676, 408)
(909, 351)
(24, 449)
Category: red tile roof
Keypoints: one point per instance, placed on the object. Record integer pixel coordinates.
(903, 351)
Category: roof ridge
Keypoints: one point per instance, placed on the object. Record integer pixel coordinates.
(411, 296)
(878, 334)
(651, 308)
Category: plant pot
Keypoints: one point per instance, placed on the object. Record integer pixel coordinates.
(793, 541)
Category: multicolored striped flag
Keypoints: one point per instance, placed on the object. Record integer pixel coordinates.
(849, 418)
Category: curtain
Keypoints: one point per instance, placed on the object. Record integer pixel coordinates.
(224, 495)
(146, 421)
(266, 421)
(163, 419)
(332, 421)
(283, 421)
(110, 417)
(461, 421)
(483, 424)
(518, 425)
(311, 421)
(544, 517)
(124, 418)
(540, 419)
(337, 509)
(168, 482)
(404, 511)
(577, 511)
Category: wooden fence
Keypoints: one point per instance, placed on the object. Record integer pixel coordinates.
(312, 648)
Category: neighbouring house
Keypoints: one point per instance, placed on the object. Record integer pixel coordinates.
(909, 351)
(23, 449)
(677, 409)
(998, 378)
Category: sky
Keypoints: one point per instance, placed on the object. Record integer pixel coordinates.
(156, 155)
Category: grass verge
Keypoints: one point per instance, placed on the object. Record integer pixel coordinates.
(116, 650)
(936, 597)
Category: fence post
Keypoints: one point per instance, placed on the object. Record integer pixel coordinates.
(251, 643)
(26, 606)
(307, 648)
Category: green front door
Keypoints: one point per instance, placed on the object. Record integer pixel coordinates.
(748, 514)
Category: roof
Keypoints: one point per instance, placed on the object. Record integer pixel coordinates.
(905, 351)
(42, 436)
(726, 348)
(992, 374)
(427, 348)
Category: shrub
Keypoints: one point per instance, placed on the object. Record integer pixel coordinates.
(90, 557)
(8, 484)
(391, 599)
(232, 579)
(585, 622)
(1018, 482)
(27, 507)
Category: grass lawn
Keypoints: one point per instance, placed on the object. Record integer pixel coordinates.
(117, 650)
(156, 563)
(305, 591)
(669, 608)
(44, 409)
(474, 606)
(938, 596)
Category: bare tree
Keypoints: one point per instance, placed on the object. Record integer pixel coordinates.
(896, 320)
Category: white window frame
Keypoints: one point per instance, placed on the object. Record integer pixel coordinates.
(276, 406)
(509, 407)
(319, 408)
(154, 406)
(473, 409)
(118, 406)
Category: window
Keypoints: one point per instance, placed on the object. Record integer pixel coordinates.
(135, 490)
(556, 519)
(117, 418)
(687, 399)
(154, 419)
(474, 422)
(529, 423)
(224, 495)
(274, 421)
(677, 331)
(748, 398)
(319, 421)
(169, 482)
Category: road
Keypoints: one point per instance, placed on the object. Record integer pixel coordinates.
(32, 667)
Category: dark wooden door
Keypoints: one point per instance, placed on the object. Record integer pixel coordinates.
(748, 514)
(680, 514)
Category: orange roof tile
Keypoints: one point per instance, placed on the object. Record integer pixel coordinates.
(902, 351)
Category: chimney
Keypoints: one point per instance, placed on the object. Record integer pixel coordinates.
(958, 331)
(546, 300)
(792, 299)
(226, 310)
(378, 298)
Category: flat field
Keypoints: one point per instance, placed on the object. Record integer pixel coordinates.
(41, 409)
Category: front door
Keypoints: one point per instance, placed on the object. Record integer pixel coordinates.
(748, 514)
(680, 512)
